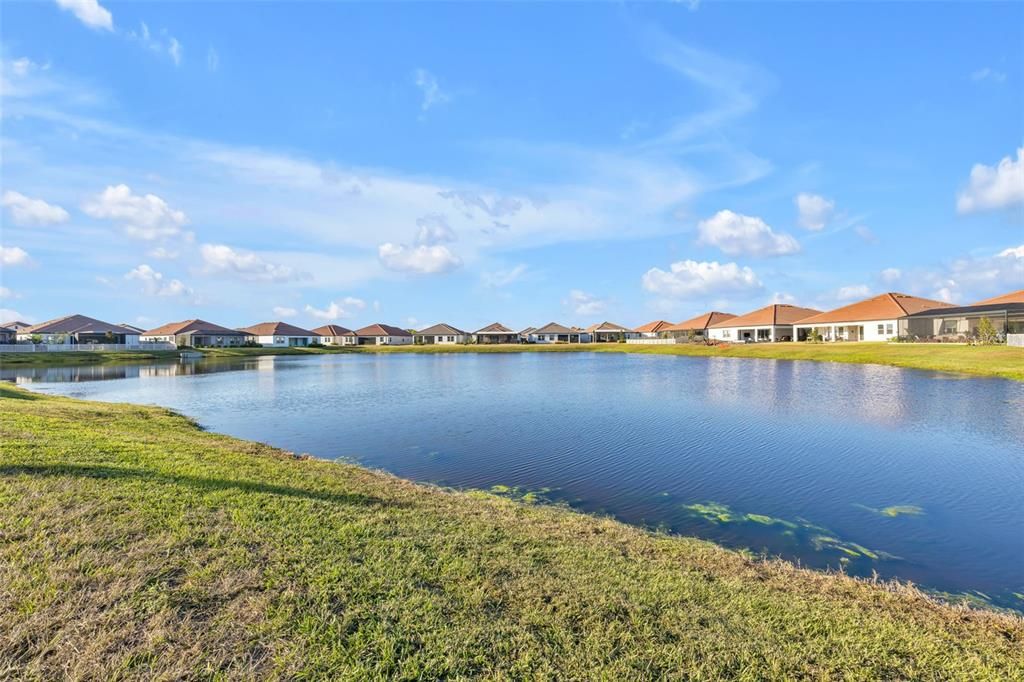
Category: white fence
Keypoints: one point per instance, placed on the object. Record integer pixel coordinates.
(659, 342)
(1015, 340)
(77, 347)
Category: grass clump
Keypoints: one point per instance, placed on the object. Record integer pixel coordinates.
(134, 545)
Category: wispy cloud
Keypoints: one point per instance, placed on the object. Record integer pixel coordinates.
(582, 303)
(89, 12)
(988, 74)
(432, 94)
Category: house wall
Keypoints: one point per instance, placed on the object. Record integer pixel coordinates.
(386, 340)
(69, 339)
(496, 338)
(284, 341)
(736, 334)
(873, 330)
(442, 339)
(338, 340)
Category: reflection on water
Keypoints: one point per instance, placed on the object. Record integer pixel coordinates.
(865, 467)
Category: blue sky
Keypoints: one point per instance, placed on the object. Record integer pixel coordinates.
(416, 163)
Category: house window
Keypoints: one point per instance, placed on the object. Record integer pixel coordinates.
(888, 330)
(881, 329)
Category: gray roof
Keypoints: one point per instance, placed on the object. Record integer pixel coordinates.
(995, 308)
(555, 328)
(495, 328)
(76, 324)
(441, 329)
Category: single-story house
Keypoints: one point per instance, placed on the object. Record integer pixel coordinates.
(78, 329)
(16, 325)
(140, 330)
(874, 319)
(281, 334)
(196, 334)
(553, 332)
(8, 335)
(383, 335)
(652, 330)
(696, 327)
(441, 334)
(606, 332)
(526, 335)
(770, 323)
(336, 335)
(960, 323)
(496, 333)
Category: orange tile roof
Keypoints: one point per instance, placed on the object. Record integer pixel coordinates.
(656, 326)
(277, 329)
(382, 330)
(770, 315)
(700, 322)
(333, 330)
(1012, 297)
(889, 306)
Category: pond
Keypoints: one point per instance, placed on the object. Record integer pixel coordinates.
(910, 474)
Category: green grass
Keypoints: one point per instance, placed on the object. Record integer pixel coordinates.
(994, 361)
(134, 545)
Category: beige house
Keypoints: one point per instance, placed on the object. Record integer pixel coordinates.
(653, 330)
(78, 329)
(383, 335)
(770, 323)
(336, 335)
(441, 334)
(196, 334)
(496, 333)
(696, 327)
(281, 335)
(609, 332)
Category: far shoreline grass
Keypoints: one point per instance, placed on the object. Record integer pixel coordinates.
(986, 361)
(138, 546)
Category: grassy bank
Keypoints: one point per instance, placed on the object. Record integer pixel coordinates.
(135, 545)
(995, 361)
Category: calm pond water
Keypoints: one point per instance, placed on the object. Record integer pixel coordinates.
(911, 474)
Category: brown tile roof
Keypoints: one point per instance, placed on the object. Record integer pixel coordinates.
(608, 327)
(889, 306)
(553, 328)
(1012, 297)
(277, 329)
(15, 324)
(75, 324)
(770, 315)
(700, 322)
(495, 328)
(193, 326)
(441, 329)
(334, 330)
(528, 330)
(656, 326)
(382, 330)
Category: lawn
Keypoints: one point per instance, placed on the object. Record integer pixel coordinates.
(134, 545)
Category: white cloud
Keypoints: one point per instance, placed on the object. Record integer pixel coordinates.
(994, 188)
(27, 211)
(224, 260)
(691, 278)
(424, 260)
(12, 256)
(583, 303)
(501, 278)
(8, 294)
(346, 307)
(432, 92)
(891, 275)
(783, 298)
(284, 311)
(212, 59)
(162, 253)
(814, 210)
(865, 233)
(154, 284)
(853, 292)
(22, 66)
(433, 229)
(161, 43)
(143, 217)
(987, 73)
(89, 12)
(8, 315)
(495, 206)
(174, 49)
(737, 234)
(1013, 252)
(975, 277)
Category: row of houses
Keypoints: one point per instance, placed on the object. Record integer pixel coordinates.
(879, 318)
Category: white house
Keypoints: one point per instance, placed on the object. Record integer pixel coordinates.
(609, 332)
(696, 327)
(336, 335)
(78, 329)
(196, 334)
(770, 323)
(441, 334)
(280, 335)
(553, 332)
(383, 335)
(873, 319)
(653, 330)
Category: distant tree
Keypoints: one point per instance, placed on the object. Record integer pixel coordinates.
(987, 333)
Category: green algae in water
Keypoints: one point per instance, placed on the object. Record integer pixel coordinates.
(713, 512)
(522, 494)
(894, 510)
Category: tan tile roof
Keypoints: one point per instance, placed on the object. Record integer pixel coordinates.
(770, 315)
(172, 328)
(553, 328)
(277, 329)
(889, 306)
(700, 322)
(15, 324)
(75, 324)
(441, 329)
(1012, 297)
(656, 326)
(495, 328)
(334, 330)
(608, 327)
(382, 330)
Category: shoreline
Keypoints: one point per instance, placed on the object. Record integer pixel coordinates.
(245, 541)
(979, 361)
